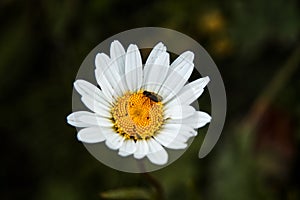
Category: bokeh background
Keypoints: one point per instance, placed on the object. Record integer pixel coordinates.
(255, 44)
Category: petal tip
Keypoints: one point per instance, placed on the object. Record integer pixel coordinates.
(132, 47)
(69, 117)
(204, 81)
(207, 79)
(160, 45)
(79, 138)
(116, 44)
(189, 55)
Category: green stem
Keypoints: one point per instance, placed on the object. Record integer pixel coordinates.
(159, 191)
(157, 186)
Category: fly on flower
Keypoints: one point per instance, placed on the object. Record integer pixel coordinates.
(139, 110)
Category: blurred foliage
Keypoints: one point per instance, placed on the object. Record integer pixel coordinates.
(129, 193)
(42, 46)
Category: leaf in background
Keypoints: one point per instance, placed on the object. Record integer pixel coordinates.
(128, 193)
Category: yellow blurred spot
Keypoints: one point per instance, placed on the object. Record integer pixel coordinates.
(212, 22)
(222, 46)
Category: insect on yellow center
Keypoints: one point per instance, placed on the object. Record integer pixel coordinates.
(137, 115)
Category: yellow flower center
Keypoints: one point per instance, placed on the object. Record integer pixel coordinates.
(137, 115)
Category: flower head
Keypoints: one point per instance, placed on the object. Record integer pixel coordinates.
(140, 110)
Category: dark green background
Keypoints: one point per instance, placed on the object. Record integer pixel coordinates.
(42, 44)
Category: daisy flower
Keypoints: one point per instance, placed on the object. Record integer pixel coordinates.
(140, 110)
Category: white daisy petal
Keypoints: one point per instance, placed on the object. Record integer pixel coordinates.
(168, 133)
(175, 136)
(74, 119)
(97, 120)
(201, 119)
(177, 77)
(149, 70)
(168, 139)
(156, 51)
(181, 138)
(187, 131)
(128, 147)
(179, 112)
(175, 144)
(124, 153)
(77, 124)
(90, 135)
(155, 74)
(85, 88)
(104, 84)
(109, 69)
(133, 68)
(117, 82)
(190, 92)
(157, 154)
(185, 57)
(113, 140)
(96, 107)
(102, 61)
(117, 54)
(198, 120)
(85, 119)
(141, 149)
